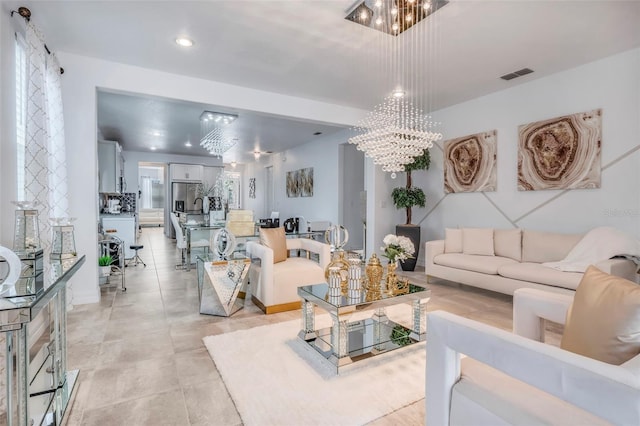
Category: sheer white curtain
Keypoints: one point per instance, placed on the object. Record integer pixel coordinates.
(45, 154)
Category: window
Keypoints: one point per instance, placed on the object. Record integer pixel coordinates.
(21, 115)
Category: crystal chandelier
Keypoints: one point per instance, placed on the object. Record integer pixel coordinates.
(394, 133)
(395, 16)
(398, 130)
(215, 137)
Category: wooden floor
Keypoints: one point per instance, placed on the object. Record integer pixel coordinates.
(141, 356)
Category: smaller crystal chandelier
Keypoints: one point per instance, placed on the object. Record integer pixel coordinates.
(394, 133)
(213, 129)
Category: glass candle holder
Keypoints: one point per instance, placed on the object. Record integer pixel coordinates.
(26, 236)
(63, 244)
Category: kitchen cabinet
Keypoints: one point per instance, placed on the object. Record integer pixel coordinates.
(186, 172)
(110, 167)
(121, 226)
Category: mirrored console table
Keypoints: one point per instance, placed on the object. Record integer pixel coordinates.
(34, 320)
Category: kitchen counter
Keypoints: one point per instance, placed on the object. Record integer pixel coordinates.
(123, 214)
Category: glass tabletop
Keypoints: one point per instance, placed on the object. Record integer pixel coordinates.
(319, 294)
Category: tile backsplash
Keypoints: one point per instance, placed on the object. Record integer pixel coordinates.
(128, 200)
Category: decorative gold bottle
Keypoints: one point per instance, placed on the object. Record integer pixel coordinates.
(374, 272)
(391, 279)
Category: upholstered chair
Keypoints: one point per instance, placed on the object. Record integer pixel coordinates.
(275, 275)
(181, 241)
(514, 378)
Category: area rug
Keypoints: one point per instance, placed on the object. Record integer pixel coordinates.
(276, 379)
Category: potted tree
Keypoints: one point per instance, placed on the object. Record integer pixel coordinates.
(406, 198)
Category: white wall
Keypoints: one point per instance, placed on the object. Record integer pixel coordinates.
(83, 75)
(612, 84)
(321, 154)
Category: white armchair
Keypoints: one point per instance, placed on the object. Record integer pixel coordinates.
(559, 387)
(274, 287)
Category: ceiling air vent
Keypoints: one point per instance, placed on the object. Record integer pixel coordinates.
(516, 74)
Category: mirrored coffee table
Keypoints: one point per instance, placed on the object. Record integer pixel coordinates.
(346, 342)
(222, 283)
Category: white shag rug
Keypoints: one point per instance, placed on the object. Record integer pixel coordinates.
(276, 379)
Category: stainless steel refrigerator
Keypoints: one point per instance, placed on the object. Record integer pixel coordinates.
(183, 198)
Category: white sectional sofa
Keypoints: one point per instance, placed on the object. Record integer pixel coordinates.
(513, 261)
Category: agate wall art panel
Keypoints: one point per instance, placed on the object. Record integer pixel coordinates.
(470, 163)
(560, 153)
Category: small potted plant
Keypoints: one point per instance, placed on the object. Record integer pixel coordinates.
(104, 263)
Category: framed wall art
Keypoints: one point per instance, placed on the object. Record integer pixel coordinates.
(470, 163)
(560, 153)
(252, 187)
(300, 183)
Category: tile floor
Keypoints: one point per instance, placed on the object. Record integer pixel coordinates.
(141, 356)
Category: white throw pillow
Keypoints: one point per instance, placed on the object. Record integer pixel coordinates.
(452, 240)
(477, 241)
(508, 243)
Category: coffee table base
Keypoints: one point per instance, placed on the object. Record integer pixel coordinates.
(362, 339)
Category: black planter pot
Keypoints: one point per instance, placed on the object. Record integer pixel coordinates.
(413, 233)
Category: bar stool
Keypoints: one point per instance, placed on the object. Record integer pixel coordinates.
(136, 258)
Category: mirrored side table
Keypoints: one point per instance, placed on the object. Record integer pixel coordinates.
(222, 283)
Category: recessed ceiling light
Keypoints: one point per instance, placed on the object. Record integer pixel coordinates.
(153, 148)
(379, 21)
(184, 42)
(233, 164)
(378, 3)
(398, 93)
(187, 144)
(155, 133)
(426, 6)
(394, 27)
(394, 11)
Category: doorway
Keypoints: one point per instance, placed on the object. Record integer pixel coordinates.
(151, 194)
(269, 207)
(354, 198)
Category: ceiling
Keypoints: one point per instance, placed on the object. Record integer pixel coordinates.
(306, 48)
(142, 122)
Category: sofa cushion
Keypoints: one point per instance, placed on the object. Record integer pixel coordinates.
(536, 273)
(540, 247)
(483, 264)
(452, 240)
(604, 320)
(275, 239)
(508, 243)
(477, 241)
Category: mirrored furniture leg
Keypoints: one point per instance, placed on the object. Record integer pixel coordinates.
(38, 385)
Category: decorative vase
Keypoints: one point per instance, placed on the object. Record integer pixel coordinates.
(413, 233)
(374, 272)
(105, 271)
(391, 278)
(205, 205)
